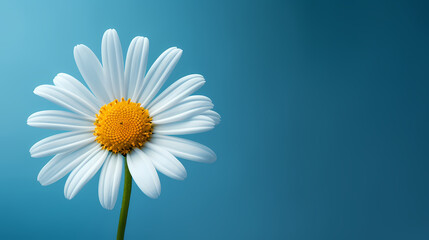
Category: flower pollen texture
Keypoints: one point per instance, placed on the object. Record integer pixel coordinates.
(122, 126)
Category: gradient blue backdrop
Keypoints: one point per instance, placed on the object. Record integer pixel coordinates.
(324, 131)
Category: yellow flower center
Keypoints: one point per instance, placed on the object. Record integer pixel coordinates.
(122, 126)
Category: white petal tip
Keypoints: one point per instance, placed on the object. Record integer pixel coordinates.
(77, 47)
(141, 40)
(108, 207)
(37, 89)
(180, 177)
(35, 154)
(183, 177)
(153, 196)
(109, 33)
(179, 52)
(42, 183)
(68, 195)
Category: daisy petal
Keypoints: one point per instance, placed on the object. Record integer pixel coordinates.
(165, 162)
(113, 63)
(184, 148)
(66, 99)
(84, 172)
(63, 142)
(140, 90)
(176, 92)
(63, 163)
(59, 120)
(213, 115)
(173, 86)
(110, 178)
(135, 66)
(187, 108)
(192, 125)
(91, 71)
(158, 73)
(70, 83)
(144, 173)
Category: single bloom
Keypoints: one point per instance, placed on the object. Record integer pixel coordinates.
(121, 115)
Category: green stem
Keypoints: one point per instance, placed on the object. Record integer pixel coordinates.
(125, 203)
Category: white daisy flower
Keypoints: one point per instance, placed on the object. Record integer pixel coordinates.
(121, 116)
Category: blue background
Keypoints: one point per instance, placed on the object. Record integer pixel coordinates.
(325, 119)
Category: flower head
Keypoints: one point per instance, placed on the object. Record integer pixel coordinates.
(121, 115)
